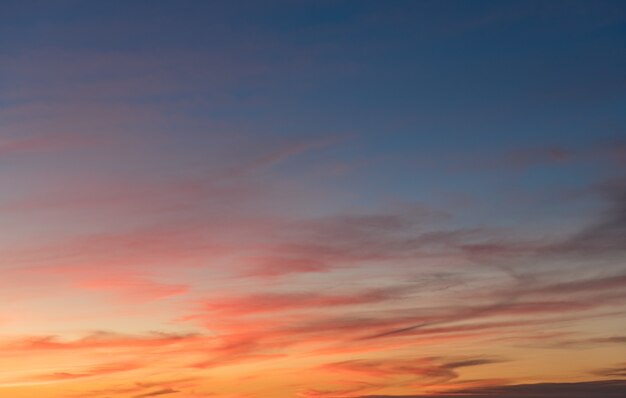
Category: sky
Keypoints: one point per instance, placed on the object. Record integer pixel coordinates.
(312, 199)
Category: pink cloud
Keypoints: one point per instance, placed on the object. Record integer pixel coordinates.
(41, 143)
(95, 371)
(277, 302)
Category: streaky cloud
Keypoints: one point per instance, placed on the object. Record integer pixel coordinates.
(592, 389)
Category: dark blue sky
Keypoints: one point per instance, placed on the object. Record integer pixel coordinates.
(430, 73)
(470, 97)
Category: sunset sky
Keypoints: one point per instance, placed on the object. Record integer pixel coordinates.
(312, 199)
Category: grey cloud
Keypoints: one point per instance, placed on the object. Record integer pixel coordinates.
(595, 389)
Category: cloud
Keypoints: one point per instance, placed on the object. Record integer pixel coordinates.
(606, 153)
(127, 287)
(80, 373)
(267, 325)
(153, 387)
(548, 300)
(423, 367)
(164, 391)
(277, 302)
(40, 143)
(328, 243)
(592, 389)
(608, 234)
(95, 341)
(368, 376)
(561, 341)
(619, 371)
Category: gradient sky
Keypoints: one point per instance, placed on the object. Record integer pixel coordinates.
(312, 199)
